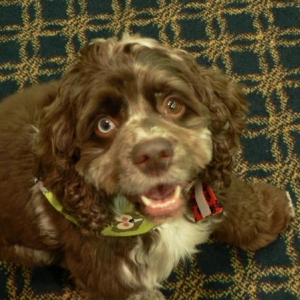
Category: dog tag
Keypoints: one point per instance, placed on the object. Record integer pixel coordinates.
(205, 202)
(129, 224)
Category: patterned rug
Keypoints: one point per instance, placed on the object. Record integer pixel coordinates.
(256, 42)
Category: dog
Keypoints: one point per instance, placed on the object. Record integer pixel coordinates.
(122, 167)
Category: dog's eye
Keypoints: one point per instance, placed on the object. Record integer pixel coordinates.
(173, 107)
(105, 125)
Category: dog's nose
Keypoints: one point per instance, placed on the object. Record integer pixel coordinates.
(153, 156)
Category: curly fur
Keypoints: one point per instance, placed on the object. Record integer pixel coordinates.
(51, 132)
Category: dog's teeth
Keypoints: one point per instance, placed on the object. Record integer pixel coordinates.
(153, 204)
(146, 201)
(177, 191)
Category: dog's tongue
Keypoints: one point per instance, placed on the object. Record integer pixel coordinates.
(160, 192)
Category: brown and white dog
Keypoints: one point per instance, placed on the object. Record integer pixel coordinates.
(97, 170)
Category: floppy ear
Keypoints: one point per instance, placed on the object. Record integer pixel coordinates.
(56, 133)
(57, 147)
(228, 108)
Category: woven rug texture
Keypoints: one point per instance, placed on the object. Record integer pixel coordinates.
(255, 42)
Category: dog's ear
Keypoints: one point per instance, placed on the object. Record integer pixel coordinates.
(58, 151)
(228, 108)
(57, 131)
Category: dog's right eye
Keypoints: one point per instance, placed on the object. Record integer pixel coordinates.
(105, 126)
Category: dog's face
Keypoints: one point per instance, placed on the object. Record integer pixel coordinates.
(149, 133)
(145, 121)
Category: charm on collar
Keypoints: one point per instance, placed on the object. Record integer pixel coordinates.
(205, 202)
(128, 224)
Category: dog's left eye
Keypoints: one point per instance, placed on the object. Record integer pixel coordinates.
(105, 125)
(173, 107)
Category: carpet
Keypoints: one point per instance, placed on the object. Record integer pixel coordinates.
(255, 42)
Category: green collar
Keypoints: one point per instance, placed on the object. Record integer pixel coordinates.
(129, 223)
(53, 201)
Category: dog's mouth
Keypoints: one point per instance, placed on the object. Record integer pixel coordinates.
(161, 201)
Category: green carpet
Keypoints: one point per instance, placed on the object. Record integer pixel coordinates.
(256, 42)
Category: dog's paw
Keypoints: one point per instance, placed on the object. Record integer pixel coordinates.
(148, 295)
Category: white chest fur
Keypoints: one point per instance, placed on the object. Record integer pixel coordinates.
(176, 241)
